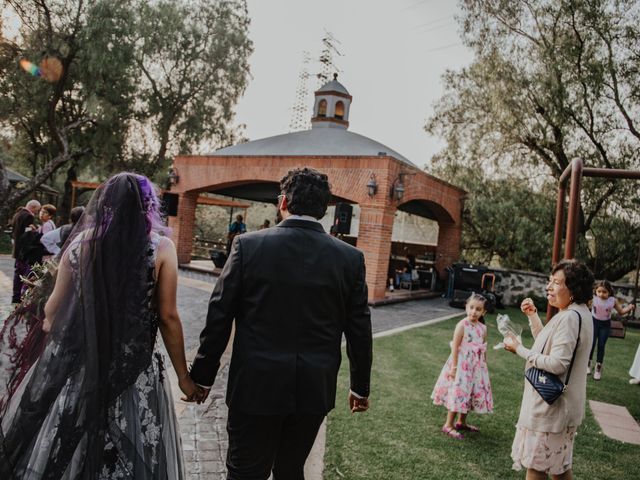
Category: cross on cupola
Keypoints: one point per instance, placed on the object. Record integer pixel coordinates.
(331, 108)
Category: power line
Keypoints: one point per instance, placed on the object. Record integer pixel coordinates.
(439, 27)
(443, 47)
(431, 22)
(414, 5)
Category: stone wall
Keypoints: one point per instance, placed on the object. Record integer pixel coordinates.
(514, 285)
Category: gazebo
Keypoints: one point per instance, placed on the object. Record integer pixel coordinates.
(361, 171)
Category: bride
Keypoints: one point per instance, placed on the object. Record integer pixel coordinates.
(83, 388)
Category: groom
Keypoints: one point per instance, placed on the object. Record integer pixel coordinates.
(293, 291)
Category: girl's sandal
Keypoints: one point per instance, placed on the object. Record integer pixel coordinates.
(467, 427)
(452, 432)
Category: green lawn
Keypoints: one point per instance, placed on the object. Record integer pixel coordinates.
(400, 438)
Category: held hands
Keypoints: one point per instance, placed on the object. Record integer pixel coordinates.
(358, 404)
(527, 306)
(192, 392)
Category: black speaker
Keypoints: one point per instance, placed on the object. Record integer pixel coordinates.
(342, 218)
(218, 257)
(170, 201)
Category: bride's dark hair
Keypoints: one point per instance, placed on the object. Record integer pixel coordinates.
(101, 339)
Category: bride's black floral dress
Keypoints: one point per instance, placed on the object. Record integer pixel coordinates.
(143, 420)
(138, 436)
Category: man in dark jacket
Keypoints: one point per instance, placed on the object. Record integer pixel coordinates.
(22, 225)
(293, 291)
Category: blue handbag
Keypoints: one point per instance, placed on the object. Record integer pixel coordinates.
(549, 385)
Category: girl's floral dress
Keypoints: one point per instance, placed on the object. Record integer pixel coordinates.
(471, 388)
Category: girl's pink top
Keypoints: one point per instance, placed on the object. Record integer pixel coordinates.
(601, 309)
(47, 227)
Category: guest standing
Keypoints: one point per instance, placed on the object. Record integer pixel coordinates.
(604, 302)
(23, 220)
(54, 240)
(463, 385)
(47, 213)
(543, 443)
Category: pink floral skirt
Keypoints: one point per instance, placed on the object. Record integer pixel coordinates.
(551, 453)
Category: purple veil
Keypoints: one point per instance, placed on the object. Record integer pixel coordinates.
(57, 387)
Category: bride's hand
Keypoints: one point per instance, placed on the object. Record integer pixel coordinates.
(46, 325)
(191, 391)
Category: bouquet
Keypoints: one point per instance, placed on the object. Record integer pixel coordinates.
(21, 336)
(506, 327)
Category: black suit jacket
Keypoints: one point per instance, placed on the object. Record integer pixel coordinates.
(21, 220)
(293, 290)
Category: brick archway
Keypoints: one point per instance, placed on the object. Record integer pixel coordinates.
(348, 176)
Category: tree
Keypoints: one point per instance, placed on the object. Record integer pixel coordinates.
(70, 119)
(551, 81)
(140, 81)
(193, 59)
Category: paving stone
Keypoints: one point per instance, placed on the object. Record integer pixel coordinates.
(205, 455)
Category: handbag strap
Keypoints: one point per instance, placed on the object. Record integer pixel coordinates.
(573, 356)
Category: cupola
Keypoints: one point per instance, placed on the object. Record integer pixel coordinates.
(331, 108)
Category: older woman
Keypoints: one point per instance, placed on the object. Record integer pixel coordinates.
(543, 442)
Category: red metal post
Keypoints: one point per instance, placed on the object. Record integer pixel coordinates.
(574, 208)
(557, 231)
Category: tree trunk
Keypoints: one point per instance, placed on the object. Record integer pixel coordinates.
(65, 205)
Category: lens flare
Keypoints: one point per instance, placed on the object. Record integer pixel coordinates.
(50, 68)
(31, 68)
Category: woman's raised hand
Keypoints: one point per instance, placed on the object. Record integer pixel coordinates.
(528, 307)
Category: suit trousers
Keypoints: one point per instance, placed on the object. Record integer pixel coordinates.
(259, 444)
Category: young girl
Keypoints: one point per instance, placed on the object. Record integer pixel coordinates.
(47, 212)
(463, 384)
(603, 303)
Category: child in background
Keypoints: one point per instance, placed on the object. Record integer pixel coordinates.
(603, 303)
(634, 371)
(463, 384)
(47, 212)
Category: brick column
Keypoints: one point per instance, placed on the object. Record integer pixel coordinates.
(448, 250)
(374, 239)
(182, 225)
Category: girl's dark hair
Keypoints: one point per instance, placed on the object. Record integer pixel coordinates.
(50, 209)
(577, 277)
(308, 192)
(604, 284)
(476, 297)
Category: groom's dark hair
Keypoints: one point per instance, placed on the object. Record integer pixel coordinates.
(308, 192)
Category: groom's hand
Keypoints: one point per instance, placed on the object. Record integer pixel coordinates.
(203, 393)
(358, 404)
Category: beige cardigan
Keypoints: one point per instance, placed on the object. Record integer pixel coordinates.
(561, 332)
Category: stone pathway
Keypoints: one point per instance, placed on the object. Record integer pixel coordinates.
(616, 422)
(6, 287)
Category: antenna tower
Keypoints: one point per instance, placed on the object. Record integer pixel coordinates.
(327, 65)
(300, 119)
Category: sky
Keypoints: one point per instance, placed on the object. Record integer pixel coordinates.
(393, 54)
